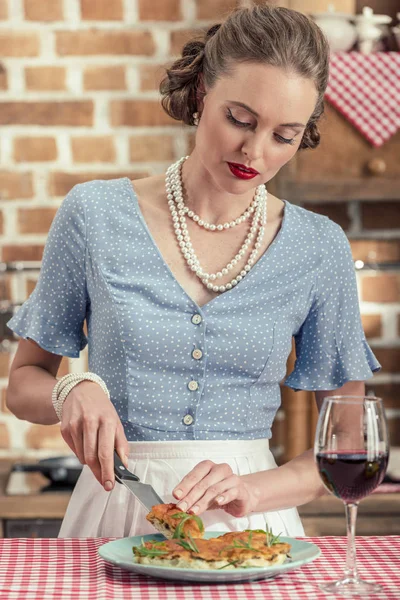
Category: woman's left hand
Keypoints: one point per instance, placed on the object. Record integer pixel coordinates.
(210, 485)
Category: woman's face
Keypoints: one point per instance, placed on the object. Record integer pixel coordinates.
(255, 117)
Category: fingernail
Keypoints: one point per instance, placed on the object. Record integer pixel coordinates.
(194, 509)
(108, 486)
(182, 505)
(220, 499)
(126, 460)
(178, 493)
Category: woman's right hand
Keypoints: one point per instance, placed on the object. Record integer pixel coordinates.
(92, 429)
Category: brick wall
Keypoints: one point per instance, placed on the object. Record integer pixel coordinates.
(78, 101)
(374, 232)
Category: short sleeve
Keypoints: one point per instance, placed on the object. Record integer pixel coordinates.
(331, 348)
(54, 314)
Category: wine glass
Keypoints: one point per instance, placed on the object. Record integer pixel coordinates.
(351, 451)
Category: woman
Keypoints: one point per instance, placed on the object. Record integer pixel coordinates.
(192, 285)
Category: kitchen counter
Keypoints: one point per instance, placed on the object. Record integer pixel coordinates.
(48, 506)
(379, 513)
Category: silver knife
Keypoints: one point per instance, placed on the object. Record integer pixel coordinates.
(144, 492)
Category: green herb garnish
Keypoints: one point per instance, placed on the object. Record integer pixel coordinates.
(188, 544)
(271, 539)
(143, 551)
(241, 544)
(185, 517)
(227, 565)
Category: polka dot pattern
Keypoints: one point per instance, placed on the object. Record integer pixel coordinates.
(101, 263)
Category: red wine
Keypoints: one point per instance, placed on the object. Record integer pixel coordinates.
(351, 476)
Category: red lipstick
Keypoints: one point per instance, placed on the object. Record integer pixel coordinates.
(242, 172)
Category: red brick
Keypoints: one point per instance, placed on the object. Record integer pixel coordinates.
(179, 37)
(14, 184)
(4, 364)
(311, 6)
(105, 78)
(394, 430)
(336, 211)
(73, 113)
(45, 78)
(160, 10)
(45, 437)
(30, 286)
(35, 220)
(139, 113)
(35, 149)
(43, 10)
(389, 359)
(102, 10)
(93, 149)
(3, 78)
(371, 251)
(380, 215)
(19, 44)
(5, 287)
(61, 183)
(3, 9)
(389, 392)
(14, 252)
(4, 437)
(151, 148)
(104, 42)
(4, 408)
(214, 9)
(381, 288)
(372, 325)
(151, 76)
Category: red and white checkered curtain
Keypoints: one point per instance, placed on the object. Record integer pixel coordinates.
(365, 89)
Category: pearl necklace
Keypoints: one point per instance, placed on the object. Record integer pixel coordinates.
(221, 226)
(173, 184)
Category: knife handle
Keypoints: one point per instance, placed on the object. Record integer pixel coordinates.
(121, 472)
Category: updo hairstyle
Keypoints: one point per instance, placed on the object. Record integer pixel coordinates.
(263, 34)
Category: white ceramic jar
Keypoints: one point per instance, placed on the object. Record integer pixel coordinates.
(369, 29)
(341, 34)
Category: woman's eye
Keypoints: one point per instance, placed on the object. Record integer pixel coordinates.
(232, 119)
(283, 140)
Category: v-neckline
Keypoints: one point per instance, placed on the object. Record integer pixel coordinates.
(203, 307)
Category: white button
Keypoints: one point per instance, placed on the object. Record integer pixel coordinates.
(188, 419)
(193, 386)
(196, 319)
(197, 354)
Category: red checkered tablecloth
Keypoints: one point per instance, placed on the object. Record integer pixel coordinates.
(41, 569)
(365, 89)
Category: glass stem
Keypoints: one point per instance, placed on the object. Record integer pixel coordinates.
(351, 517)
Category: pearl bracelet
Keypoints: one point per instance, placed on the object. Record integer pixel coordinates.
(67, 383)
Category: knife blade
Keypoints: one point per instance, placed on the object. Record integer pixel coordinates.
(144, 492)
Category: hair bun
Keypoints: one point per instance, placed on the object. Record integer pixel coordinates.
(311, 137)
(212, 31)
(193, 48)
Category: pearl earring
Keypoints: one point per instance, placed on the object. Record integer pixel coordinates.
(196, 118)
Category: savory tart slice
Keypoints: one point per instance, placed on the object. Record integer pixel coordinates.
(172, 522)
(237, 551)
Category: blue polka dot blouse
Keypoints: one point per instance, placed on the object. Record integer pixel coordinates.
(176, 371)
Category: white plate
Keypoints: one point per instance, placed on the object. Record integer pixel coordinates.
(120, 553)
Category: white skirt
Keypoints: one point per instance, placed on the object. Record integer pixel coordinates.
(93, 512)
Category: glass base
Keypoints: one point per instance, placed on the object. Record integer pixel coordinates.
(351, 587)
